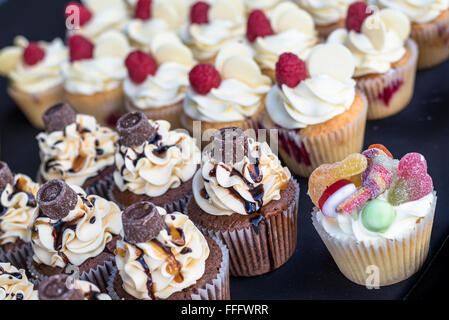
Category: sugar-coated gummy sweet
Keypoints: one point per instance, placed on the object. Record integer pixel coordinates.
(378, 215)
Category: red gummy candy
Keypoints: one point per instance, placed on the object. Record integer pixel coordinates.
(412, 164)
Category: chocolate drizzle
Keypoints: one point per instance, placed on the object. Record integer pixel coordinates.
(11, 275)
(146, 269)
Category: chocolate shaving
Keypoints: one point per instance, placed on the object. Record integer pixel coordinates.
(58, 117)
(56, 199)
(229, 145)
(6, 176)
(59, 287)
(134, 129)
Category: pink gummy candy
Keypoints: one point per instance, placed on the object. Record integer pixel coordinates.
(412, 164)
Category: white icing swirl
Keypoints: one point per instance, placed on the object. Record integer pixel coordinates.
(90, 291)
(419, 11)
(142, 32)
(265, 5)
(144, 170)
(79, 152)
(14, 284)
(88, 228)
(19, 209)
(326, 12)
(164, 280)
(220, 182)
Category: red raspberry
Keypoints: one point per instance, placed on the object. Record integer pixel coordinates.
(258, 25)
(33, 54)
(203, 77)
(198, 12)
(85, 14)
(143, 10)
(290, 70)
(80, 48)
(140, 65)
(357, 13)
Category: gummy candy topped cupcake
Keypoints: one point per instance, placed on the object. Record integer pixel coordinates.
(373, 209)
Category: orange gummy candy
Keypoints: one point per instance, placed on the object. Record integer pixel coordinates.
(326, 174)
(381, 147)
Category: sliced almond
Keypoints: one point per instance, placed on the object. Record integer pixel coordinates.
(287, 16)
(331, 59)
(111, 44)
(241, 68)
(230, 50)
(172, 52)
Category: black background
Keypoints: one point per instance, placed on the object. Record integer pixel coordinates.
(310, 273)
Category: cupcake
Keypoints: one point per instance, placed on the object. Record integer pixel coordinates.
(315, 108)
(14, 284)
(17, 214)
(95, 17)
(94, 76)
(65, 287)
(267, 6)
(230, 94)
(430, 28)
(212, 25)
(34, 73)
(74, 148)
(165, 257)
(243, 196)
(153, 163)
(385, 59)
(288, 29)
(375, 214)
(74, 232)
(327, 14)
(157, 82)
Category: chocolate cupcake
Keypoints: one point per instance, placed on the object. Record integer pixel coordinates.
(73, 233)
(17, 214)
(165, 257)
(14, 284)
(153, 163)
(65, 287)
(244, 197)
(76, 149)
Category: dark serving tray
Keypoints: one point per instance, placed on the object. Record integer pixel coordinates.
(310, 273)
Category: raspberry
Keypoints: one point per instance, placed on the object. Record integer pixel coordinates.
(290, 70)
(258, 25)
(33, 54)
(198, 13)
(140, 65)
(84, 14)
(203, 77)
(143, 10)
(80, 48)
(357, 13)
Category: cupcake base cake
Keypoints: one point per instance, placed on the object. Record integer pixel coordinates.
(325, 30)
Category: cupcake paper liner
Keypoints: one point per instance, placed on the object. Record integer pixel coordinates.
(391, 92)
(217, 290)
(397, 260)
(101, 187)
(432, 40)
(255, 251)
(171, 113)
(17, 257)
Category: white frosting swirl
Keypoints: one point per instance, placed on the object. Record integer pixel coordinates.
(419, 11)
(265, 5)
(326, 12)
(166, 278)
(79, 152)
(144, 170)
(90, 291)
(14, 284)
(85, 232)
(142, 32)
(220, 182)
(19, 214)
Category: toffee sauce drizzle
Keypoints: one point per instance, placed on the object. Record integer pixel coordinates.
(19, 187)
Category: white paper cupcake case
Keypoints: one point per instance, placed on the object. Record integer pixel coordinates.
(17, 257)
(396, 260)
(217, 290)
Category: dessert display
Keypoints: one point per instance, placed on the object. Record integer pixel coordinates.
(17, 213)
(71, 230)
(430, 27)
(157, 82)
(14, 284)
(74, 148)
(319, 114)
(385, 57)
(372, 209)
(153, 163)
(243, 196)
(34, 73)
(165, 257)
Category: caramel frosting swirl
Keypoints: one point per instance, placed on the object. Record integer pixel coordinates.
(79, 152)
(158, 165)
(81, 235)
(17, 209)
(243, 187)
(173, 261)
(14, 284)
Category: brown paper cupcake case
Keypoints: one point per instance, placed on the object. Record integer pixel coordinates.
(396, 260)
(98, 276)
(17, 257)
(400, 79)
(101, 187)
(257, 251)
(217, 290)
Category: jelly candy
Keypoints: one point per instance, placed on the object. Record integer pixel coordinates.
(324, 176)
(334, 195)
(381, 147)
(378, 215)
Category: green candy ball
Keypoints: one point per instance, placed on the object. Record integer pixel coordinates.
(378, 215)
